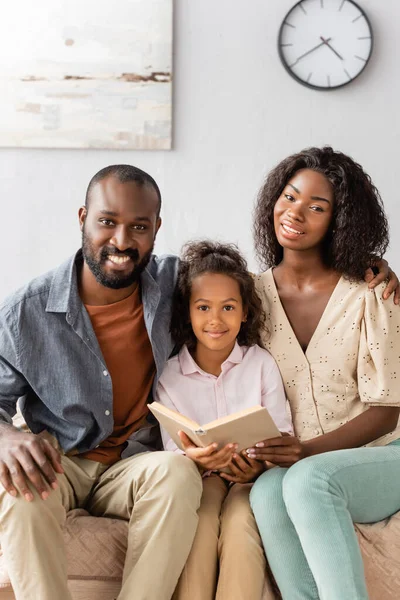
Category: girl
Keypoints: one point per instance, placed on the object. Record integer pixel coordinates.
(319, 221)
(220, 369)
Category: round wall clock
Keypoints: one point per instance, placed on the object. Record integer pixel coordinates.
(325, 44)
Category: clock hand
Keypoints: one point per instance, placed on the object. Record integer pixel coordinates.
(324, 41)
(309, 51)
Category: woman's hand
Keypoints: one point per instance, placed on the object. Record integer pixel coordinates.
(283, 451)
(208, 458)
(244, 469)
(385, 273)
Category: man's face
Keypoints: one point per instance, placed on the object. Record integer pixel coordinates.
(118, 231)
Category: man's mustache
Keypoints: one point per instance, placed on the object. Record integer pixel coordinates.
(133, 253)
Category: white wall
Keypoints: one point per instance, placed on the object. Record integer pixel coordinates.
(237, 113)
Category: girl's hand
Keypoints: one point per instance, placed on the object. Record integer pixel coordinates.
(385, 272)
(244, 469)
(283, 451)
(209, 458)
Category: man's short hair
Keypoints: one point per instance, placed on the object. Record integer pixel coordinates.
(124, 174)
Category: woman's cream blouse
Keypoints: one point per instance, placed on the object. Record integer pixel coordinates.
(352, 361)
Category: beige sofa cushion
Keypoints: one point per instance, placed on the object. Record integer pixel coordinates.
(380, 548)
(96, 550)
(96, 547)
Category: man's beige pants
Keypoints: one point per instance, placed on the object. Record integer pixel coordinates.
(227, 560)
(157, 492)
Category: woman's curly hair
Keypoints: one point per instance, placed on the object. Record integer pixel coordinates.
(225, 259)
(358, 234)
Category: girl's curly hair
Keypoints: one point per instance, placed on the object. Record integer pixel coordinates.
(213, 257)
(358, 233)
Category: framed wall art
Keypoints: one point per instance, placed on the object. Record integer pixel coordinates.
(86, 74)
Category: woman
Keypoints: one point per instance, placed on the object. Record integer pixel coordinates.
(319, 223)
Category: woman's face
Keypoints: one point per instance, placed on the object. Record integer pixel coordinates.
(303, 211)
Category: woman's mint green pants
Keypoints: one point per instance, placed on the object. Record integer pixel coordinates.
(305, 515)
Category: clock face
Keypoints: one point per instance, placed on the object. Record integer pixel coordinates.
(325, 44)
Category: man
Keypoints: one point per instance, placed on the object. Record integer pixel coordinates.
(82, 347)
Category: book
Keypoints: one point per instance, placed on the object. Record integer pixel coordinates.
(245, 427)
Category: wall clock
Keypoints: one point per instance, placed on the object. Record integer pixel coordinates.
(325, 44)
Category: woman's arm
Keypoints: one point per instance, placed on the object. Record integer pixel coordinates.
(377, 366)
(365, 428)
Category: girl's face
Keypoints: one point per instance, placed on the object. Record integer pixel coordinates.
(216, 311)
(303, 211)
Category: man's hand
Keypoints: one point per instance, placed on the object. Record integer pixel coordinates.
(244, 469)
(385, 273)
(283, 451)
(25, 457)
(208, 458)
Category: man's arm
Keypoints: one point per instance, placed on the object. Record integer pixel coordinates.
(24, 457)
(384, 273)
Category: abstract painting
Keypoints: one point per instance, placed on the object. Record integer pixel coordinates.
(86, 74)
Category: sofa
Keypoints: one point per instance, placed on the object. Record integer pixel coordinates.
(96, 551)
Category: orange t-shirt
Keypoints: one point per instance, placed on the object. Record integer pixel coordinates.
(126, 348)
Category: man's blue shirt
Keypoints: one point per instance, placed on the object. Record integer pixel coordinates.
(50, 358)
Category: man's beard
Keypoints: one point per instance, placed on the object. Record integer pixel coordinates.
(115, 280)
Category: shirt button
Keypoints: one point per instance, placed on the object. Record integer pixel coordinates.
(105, 373)
(307, 389)
(317, 431)
(107, 412)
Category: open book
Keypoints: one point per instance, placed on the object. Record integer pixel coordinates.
(245, 427)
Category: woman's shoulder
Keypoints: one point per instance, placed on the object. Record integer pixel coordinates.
(264, 283)
(264, 277)
(376, 305)
(361, 291)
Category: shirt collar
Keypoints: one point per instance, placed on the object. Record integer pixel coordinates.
(64, 294)
(189, 365)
